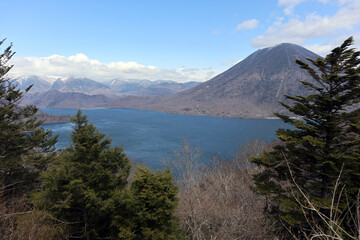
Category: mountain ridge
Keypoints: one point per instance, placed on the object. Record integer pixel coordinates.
(112, 88)
(251, 88)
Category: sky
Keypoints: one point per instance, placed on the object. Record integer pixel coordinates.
(165, 39)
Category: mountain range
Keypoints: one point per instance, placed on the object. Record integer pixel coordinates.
(249, 89)
(112, 88)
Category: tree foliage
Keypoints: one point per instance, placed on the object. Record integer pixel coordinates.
(24, 146)
(87, 188)
(149, 207)
(25, 150)
(79, 187)
(84, 192)
(324, 142)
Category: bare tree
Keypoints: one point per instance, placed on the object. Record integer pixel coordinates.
(186, 165)
(19, 220)
(216, 200)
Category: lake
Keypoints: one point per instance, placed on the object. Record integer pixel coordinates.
(151, 136)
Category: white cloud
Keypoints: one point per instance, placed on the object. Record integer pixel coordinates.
(291, 4)
(80, 65)
(324, 49)
(345, 1)
(344, 22)
(248, 24)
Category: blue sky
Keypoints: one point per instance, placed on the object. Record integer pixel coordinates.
(172, 40)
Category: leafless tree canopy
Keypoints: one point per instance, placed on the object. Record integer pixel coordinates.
(216, 200)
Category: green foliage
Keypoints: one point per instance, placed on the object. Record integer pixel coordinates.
(25, 148)
(81, 185)
(84, 187)
(148, 207)
(325, 141)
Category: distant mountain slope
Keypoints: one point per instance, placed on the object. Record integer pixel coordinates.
(250, 89)
(67, 84)
(40, 84)
(128, 85)
(57, 99)
(117, 87)
(48, 118)
(58, 84)
(84, 85)
(143, 87)
(163, 88)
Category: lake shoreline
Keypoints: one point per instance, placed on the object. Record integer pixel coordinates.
(150, 136)
(184, 114)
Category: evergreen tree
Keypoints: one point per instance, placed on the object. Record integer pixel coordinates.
(25, 148)
(148, 207)
(323, 142)
(80, 187)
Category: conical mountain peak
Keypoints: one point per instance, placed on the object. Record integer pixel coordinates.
(251, 88)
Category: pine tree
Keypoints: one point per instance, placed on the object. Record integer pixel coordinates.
(148, 207)
(323, 145)
(25, 148)
(81, 185)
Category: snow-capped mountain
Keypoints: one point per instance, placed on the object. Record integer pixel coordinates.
(40, 83)
(116, 87)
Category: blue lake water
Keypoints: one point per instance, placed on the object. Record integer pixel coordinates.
(151, 136)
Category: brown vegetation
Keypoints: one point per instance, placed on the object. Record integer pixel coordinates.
(216, 200)
(19, 220)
